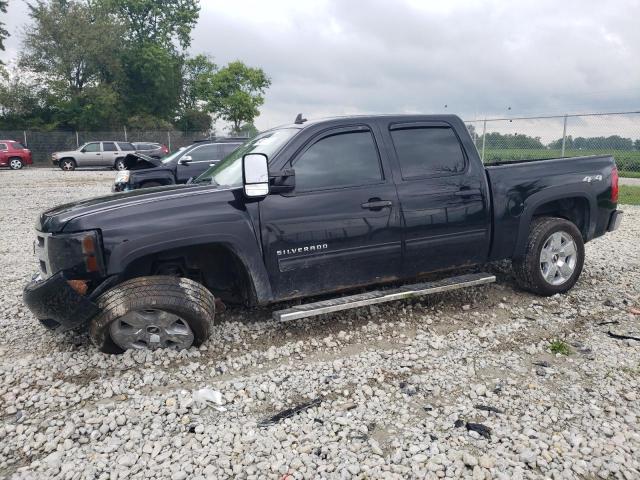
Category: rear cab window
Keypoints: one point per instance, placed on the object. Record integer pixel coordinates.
(426, 151)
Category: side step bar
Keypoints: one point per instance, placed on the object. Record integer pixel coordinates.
(381, 296)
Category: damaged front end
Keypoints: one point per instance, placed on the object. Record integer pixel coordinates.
(70, 265)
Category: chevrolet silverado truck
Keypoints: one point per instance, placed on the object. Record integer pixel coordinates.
(312, 209)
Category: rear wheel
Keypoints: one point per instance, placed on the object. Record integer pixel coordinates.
(119, 165)
(553, 258)
(15, 163)
(67, 164)
(153, 312)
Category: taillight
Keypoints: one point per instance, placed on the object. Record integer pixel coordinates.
(165, 149)
(614, 185)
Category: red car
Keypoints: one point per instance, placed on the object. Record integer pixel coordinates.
(14, 155)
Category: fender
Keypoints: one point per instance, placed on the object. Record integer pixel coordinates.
(248, 253)
(550, 194)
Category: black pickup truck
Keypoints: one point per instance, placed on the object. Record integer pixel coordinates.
(309, 209)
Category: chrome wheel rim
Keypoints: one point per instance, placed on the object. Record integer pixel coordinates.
(16, 164)
(558, 258)
(151, 329)
(120, 165)
(66, 165)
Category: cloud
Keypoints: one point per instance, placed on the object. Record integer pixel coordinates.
(329, 57)
(478, 58)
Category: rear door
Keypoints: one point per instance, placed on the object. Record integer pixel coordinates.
(445, 213)
(341, 226)
(201, 158)
(109, 153)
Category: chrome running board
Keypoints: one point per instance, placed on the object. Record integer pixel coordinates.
(381, 296)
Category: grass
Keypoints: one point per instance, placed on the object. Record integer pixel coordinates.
(629, 195)
(628, 161)
(559, 347)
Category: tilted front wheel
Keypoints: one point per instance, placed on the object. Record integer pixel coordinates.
(153, 312)
(67, 164)
(553, 258)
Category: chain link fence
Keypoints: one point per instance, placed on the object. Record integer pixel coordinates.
(43, 144)
(528, 138)
(497, 139)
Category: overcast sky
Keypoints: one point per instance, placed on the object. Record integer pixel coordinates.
(476, 57)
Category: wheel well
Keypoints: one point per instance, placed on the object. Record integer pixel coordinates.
(574, 209)
(67, 158)
(216, 266)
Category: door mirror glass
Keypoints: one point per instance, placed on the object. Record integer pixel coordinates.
(255, 174)
(185, 160)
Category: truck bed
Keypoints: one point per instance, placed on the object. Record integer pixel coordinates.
(523, 189)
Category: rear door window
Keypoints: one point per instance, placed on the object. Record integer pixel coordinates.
(227, 148)
(428, 151)
(126, 146)
(109, 147)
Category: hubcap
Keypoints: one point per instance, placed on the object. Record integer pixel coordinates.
(558, 258)
(151, 329)
(67, 166)
(120, 165)
(16, 164)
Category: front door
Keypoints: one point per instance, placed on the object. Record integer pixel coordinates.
(445, 209)
(341, 225)
(202, 157)
(90, 155)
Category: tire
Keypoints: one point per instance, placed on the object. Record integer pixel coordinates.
(152, 300)
(67, 164)
(15, 163)
(551, 264)
(119, 164)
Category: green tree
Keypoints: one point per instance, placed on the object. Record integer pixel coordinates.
(161, 22)
(196, 72)
(235, 92)
(73, 50)
(194, 121)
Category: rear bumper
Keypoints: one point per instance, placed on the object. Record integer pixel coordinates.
(615, 220)
(56, 305)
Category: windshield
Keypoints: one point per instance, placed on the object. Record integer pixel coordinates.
(172, 157)
(228, 172)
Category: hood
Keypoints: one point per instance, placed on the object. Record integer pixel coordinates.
(55, 219)
(138, 161)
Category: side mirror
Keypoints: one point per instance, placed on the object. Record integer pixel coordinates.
(185, 160)
(255, 175)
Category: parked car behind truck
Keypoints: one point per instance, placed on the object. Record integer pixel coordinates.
(315, 208)
(143, 172)
(14, 155)
(94, 154)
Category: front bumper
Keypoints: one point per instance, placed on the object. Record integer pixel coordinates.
(58, 306)
(615, 220)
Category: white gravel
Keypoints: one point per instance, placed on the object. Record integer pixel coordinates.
(394, 380)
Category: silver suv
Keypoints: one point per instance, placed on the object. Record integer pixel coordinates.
(94, 154)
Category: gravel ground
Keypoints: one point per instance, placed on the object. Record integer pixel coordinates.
(400, 386)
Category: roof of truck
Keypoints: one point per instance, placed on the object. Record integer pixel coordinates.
(393, 116)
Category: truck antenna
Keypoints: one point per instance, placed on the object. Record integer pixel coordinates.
(299, 120)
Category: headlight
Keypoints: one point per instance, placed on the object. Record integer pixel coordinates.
(75, 253)
(123, 176)
(54, 155)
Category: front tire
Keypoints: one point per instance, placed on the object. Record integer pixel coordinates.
(553, 258)
(15, 163)
(67, 164)
(153, 312)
